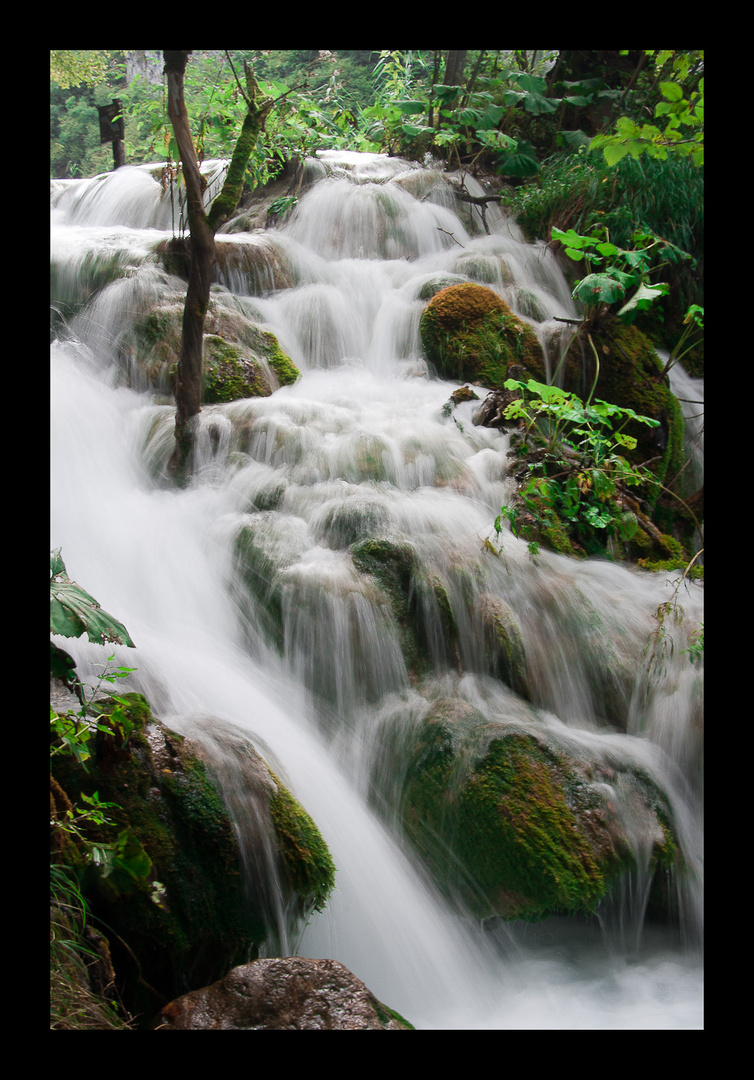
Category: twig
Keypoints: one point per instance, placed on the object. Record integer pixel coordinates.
(450, 234)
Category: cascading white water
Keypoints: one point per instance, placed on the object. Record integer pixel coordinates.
(360, 442)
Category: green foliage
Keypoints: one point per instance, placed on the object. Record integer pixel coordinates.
(579, 191)
(78, 67)
(679, 127)
(691, 335)
(496, 115)
(619, 270)
(695, 650)
(75, 147)
(74, 954)
(72, 733)
(660, 645)
(74, 612)
(578, 482)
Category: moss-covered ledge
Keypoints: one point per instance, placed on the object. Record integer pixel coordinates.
(187, 916)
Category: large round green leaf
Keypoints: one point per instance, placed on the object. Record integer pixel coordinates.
(74, 612)
(599, 289)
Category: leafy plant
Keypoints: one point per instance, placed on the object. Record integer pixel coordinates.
(585, 474)
(74, 612)
(71, 731)
(679, 127)
(660, 645)
(613, 271)
(74, 1003)
(693, 332)
(562, 418)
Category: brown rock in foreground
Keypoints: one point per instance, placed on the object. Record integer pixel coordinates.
(286, 994)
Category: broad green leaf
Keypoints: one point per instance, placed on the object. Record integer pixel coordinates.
(615, 152)
(496, 140)
(73, 612)
(644, 297)
(539, 106)
(532, 83)
(570, 238)
(671, 90)
(598, 289)
(626, 127)
(414, 130)
(472, 117)
(628, 441)
(493, 114)
(572, 139)
(513, 97)
(411, 107)
(447, 93)
(521, 161)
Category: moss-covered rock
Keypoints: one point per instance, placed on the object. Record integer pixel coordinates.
(175, 901)
(436, 282)
(240, 358)
(308, 867)
(469, 333)
(504, 644)
(228, 375)
(419, 601)
(511, 827)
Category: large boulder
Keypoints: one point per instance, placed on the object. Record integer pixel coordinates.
(469, 333)
(285, 994)
(170, 884)
(511, 826)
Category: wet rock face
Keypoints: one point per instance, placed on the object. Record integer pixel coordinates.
(286, 994)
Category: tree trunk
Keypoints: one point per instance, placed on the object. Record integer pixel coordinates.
(454, 66)
(202, 228)
(188, 389)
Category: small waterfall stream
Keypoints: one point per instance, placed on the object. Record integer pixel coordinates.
(361, 445)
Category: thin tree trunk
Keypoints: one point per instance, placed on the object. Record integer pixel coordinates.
(188, 390)
(202, 229)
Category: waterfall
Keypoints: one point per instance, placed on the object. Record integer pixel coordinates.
(307, 662)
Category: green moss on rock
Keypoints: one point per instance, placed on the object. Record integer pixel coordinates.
(240, 358)
(511, 827)
(504, 644)
(186, 917)
(469, 333)
(305, 855)
(228, 375)
(392, 564)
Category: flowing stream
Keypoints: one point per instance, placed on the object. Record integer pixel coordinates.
(362, 444)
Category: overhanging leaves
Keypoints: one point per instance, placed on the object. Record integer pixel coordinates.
(73, 612)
